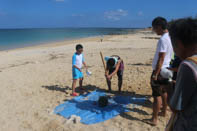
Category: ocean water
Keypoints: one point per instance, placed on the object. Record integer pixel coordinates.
(17, 38)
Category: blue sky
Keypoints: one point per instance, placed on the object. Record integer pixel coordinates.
(90, 13)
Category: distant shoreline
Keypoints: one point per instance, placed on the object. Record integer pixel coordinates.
(65, 41)
(44, 44)
(61, 43)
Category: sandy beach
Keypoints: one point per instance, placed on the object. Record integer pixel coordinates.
(35, 80)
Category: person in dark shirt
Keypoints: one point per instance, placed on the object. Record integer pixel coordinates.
(183, 33)
(175, 63)
(174, 66)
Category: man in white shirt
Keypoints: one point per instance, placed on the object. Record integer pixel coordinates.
(161, 60)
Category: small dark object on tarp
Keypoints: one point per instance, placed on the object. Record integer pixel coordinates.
(103, 101)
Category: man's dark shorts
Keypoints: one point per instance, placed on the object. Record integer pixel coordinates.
(157, 88)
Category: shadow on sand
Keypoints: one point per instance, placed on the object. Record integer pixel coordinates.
(56, 88)
(87, 88)
(140, 64)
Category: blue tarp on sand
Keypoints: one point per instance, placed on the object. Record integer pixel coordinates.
(87, 108)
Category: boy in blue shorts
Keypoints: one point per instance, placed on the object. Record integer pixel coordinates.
(77, 63)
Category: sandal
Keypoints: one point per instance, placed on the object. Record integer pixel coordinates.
(74, 94)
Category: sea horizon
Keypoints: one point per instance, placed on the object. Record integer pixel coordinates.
(26, 37)
(74, 27)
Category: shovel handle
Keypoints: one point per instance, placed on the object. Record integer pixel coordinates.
(103, 61)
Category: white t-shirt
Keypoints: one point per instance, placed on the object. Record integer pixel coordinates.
(164, 45)
(78, 60)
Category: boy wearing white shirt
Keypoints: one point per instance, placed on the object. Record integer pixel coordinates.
(77, 63)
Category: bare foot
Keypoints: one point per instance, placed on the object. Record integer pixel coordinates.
(152, 122)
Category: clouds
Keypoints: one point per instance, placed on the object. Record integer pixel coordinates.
(115, 15)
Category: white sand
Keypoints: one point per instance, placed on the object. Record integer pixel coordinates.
(35, 80)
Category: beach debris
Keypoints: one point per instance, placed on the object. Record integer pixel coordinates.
(73, 119)
(88, 73)
(49, 111)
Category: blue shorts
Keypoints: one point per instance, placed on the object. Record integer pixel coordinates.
(76, 73)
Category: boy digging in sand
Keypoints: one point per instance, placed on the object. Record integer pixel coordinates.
(115, 65)
(77, 63)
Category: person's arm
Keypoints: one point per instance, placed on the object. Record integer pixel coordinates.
(184, 89)
(77, 67)
(85, 65)
(106, 73)
(159, 65)
(173, 69)
(83, 61)
(116, 70)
